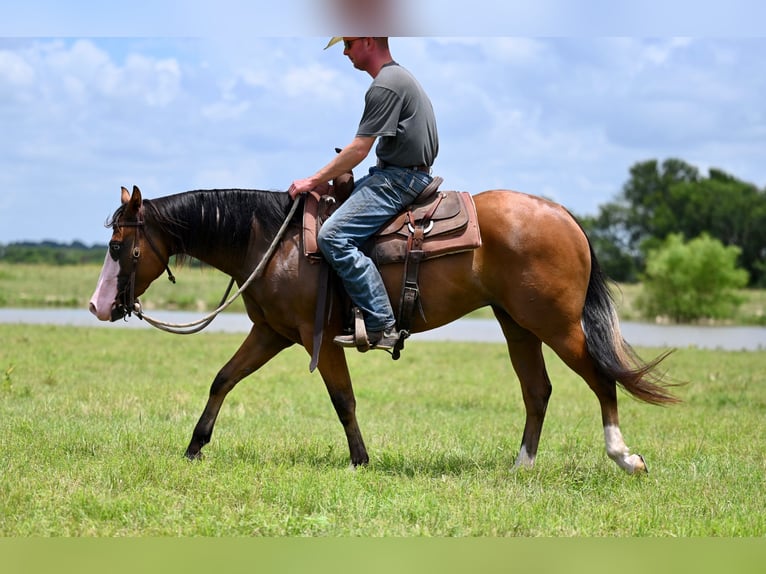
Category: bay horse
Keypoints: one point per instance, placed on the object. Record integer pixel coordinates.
(535, 268)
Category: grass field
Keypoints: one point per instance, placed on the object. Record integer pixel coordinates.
(201, 289)
(94, 424)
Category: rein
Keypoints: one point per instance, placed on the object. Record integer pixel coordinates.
(198, 325)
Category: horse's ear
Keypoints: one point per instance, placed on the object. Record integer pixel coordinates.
(133, 201)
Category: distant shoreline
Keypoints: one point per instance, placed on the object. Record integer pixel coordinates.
(743, 338)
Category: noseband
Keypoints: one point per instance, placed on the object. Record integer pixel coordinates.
(129, 303)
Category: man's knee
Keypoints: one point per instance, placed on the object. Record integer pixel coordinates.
(324, 239)
(332, 242)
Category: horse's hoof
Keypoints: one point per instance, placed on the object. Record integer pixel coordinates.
(522, 467)
(639, 465)
(523, 460)
(193, 455)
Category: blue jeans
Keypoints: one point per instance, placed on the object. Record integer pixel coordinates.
(376, 198)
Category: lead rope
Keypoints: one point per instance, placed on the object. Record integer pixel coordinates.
(198, 325)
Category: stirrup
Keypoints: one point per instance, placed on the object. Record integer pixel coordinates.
(361, 340)
(358, 339)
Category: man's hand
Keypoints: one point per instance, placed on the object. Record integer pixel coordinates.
(308, 184)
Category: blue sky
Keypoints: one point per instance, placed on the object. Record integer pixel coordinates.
(172, 96)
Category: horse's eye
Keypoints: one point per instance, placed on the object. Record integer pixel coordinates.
(114, 249)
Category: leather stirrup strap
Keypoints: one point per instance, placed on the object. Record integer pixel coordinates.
(320, 313)
(410, 288)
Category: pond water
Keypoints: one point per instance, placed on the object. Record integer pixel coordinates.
(478, 330)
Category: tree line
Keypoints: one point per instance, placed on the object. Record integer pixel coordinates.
(673, 198)
(658, 200)
(52, 253)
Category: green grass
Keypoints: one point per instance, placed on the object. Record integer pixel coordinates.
(95, 421)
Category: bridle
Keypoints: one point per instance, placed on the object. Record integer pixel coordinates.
(129, 303)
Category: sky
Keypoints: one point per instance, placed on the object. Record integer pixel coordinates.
(173, 96)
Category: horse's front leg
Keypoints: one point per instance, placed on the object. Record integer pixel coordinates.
(257, 349)
(334, 370)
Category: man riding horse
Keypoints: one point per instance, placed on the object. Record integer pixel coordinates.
(398, 111)
(543, 288)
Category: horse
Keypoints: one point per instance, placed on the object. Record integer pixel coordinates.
(535, 268)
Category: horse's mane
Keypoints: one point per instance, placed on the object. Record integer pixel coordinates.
(215, 217)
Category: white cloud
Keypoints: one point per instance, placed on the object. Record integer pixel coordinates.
(516, 51)
(157, 82)
(15, 71)
(225, 110)
(313, 81)
(81, 73)
(656, 52)
(564, 117)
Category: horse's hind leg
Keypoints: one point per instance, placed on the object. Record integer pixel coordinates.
(526, 354)
(257, 349)
(572, 349)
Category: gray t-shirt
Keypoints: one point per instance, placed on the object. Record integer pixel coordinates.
(398, 111)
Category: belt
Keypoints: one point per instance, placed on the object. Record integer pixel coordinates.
(422, 168)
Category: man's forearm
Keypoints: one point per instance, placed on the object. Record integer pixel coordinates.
(348, 158)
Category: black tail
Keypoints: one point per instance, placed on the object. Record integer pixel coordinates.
(615, 358)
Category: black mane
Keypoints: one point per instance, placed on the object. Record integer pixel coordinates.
(215, 217)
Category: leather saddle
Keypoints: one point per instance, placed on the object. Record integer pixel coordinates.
(438, 223)
(447, 219)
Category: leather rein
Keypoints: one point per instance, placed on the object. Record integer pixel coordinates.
(132, 305)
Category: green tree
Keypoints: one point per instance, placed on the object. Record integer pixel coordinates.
(653, 207)
(611, 243)
(732, 211)
(642, 212)
(691, 281)
(672, 197)
(52, 253)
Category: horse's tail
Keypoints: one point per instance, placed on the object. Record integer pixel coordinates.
(615, 358)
